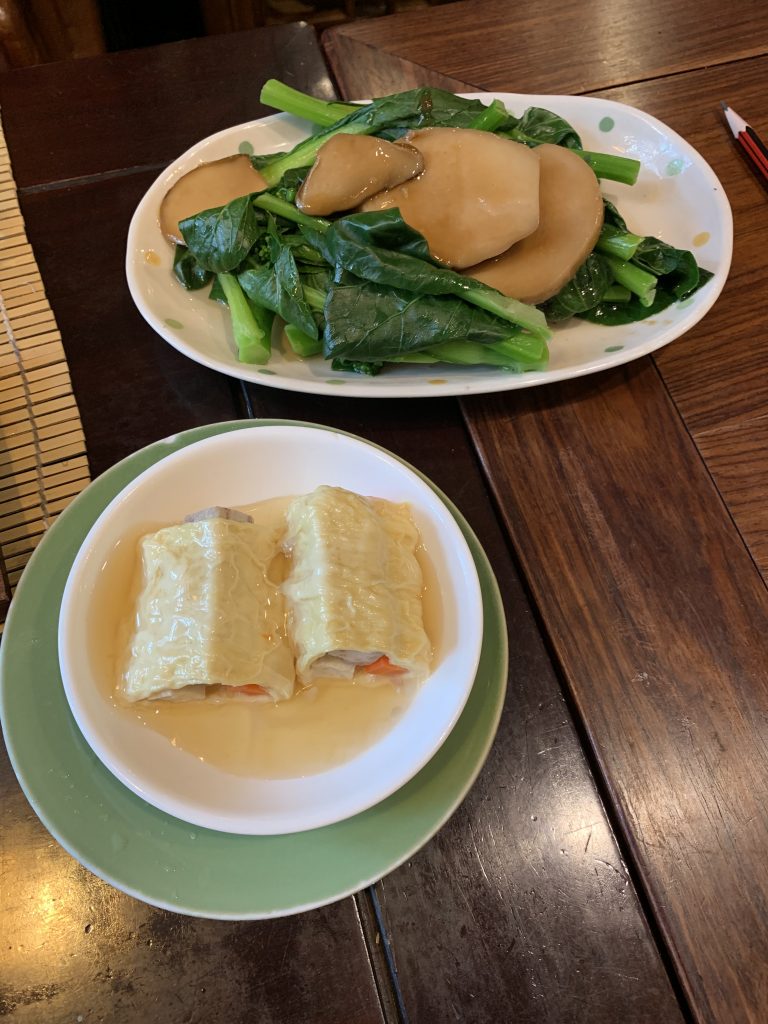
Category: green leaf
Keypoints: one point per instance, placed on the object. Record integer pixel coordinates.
(348, 246)
(585, 289)
(354, 366)
(279, 289)
(538, 125)
(371, 322)
(613, 314)
(221, 238)
(188, 271)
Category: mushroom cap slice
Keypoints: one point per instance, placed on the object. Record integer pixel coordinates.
(477, 195)
(349, 168)
(537, 267)
(206, 187)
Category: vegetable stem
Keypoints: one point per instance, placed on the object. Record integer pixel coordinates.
(282, 208)
(615, 242)
(251, 338)
(640, 282)
(313, 297)
(528, 317)
(605, 165)
(611, 167)
(272, 169)
(282, 97)
(519, 353)
(494, 115)
(301, 343)
(616, 293)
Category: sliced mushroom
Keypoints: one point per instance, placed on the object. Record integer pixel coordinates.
(212, 184)
(477, 195)
(536, 268)
(349, 168)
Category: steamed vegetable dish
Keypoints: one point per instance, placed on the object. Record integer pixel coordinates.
(218, 617)
(419, 228)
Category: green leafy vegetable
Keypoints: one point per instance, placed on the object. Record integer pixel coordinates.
(351, 244)
(389, 117)
(279, 288)
(220, 239)
(363, 290)
(188, 271)
(252, 337)
(585, 289)
(369, 321)
(538, 125)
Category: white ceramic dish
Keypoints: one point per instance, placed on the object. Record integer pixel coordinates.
(677, 198)
(240, 468)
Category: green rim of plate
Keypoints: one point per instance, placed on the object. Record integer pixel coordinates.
(167, 862)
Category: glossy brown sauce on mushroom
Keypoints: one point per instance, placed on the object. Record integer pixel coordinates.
(477, 195)
(571, 204)
(350, 168)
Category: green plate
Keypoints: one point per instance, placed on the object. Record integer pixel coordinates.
(160, 859)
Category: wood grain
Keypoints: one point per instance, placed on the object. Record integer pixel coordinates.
(566, 46)
(72, 946)
(717, 373)
(656, 617)
(659, 621)
(521, 908)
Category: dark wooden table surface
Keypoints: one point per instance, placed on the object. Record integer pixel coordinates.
(608, 865)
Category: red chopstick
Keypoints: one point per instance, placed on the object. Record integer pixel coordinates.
(749, 140)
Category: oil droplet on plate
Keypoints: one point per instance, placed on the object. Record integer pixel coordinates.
(702, 238)
(437, 380)
(170, 322)
(152, 258)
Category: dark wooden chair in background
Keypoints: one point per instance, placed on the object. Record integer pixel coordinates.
(39, 31)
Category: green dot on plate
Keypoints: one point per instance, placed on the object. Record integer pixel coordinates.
(674, 167)
(614, 348)
(268, 373)
(170, 322)
(245, 147)
(684, 303)
(335, 380)
(606, 124)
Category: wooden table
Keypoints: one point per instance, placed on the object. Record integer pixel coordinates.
(609, 862)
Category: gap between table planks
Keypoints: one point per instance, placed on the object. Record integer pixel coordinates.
(671, 686)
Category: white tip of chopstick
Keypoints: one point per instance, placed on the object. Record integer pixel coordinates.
(735, 123)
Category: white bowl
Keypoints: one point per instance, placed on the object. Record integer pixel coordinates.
(242, 467)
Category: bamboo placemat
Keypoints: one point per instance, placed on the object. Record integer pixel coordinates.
(43, 464)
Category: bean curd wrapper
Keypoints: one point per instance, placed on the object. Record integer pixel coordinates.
(210, 620)
(355, 588)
